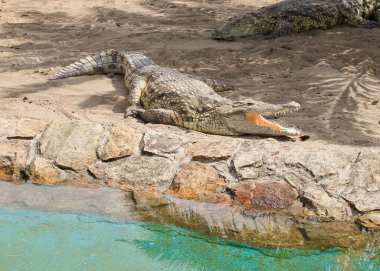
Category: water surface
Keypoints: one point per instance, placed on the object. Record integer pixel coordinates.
(36, 240)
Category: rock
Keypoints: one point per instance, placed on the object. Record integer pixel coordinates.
(219, 198)
(54, 138)
(264, 195)
(29, 128)
(269, 229)
(71, 144)
(166, 145)
(6, 167)
(334, 234)
(121, 141)
(80, 182)
(324, 206)
(224, 170)
(136, 173)
(196, 180)
(326, 176)
(13, 159)
(251, 160)
(41, 171)
(256, 159)
(145, 200)
(7, 126)
(209, 150)
(244, 194)
(21, 128)
(363, 188)
(370, 221)
(81, 179)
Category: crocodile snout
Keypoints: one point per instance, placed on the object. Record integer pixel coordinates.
(218, 35)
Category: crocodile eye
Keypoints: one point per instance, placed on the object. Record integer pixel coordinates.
(203, 108)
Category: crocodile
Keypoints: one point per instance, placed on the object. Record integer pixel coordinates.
(164, 95)
(292, 16)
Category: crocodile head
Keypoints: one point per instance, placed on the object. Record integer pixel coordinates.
(247, 117)
(241, 26)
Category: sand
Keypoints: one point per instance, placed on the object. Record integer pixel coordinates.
(334, 74)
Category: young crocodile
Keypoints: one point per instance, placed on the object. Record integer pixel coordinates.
(164, 95)
(291, 16)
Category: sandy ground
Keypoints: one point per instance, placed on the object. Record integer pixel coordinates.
(334, 74)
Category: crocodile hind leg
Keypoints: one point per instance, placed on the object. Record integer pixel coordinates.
(352, 15)
(216, 85)
(133, 101)
(283, 29)
(162, 116)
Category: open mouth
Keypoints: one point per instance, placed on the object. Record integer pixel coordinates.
(260, 120)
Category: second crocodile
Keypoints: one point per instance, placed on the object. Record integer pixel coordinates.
(292, 16)
(167, 96)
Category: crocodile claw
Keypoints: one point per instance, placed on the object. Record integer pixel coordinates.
(133, 111)
(370, 24)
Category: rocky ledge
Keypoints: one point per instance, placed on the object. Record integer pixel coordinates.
(261, 191)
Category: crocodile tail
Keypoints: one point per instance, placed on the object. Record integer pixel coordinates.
(104, 62)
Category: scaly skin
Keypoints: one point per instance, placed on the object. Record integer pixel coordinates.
(292, 16)
(164, 95)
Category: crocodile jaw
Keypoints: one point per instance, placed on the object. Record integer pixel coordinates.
(236, 27)
(269, 128)
(252, 121)
(227, 32)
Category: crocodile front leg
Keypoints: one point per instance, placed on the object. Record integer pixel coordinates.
(217, 85)
(161, 116)
(138, 84)
(353, 15)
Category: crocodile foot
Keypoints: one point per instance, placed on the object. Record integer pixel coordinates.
(133, 111)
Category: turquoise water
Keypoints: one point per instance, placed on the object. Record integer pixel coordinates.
(33, 240)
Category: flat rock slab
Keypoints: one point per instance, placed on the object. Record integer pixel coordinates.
(166, 145)
(21, 128)
(7, 126)
(71, 144)
(136, 173)
(210, 150)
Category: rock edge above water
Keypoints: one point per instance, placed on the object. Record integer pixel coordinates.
(252, 188)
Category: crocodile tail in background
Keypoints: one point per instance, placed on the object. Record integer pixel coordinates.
(103, 62)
